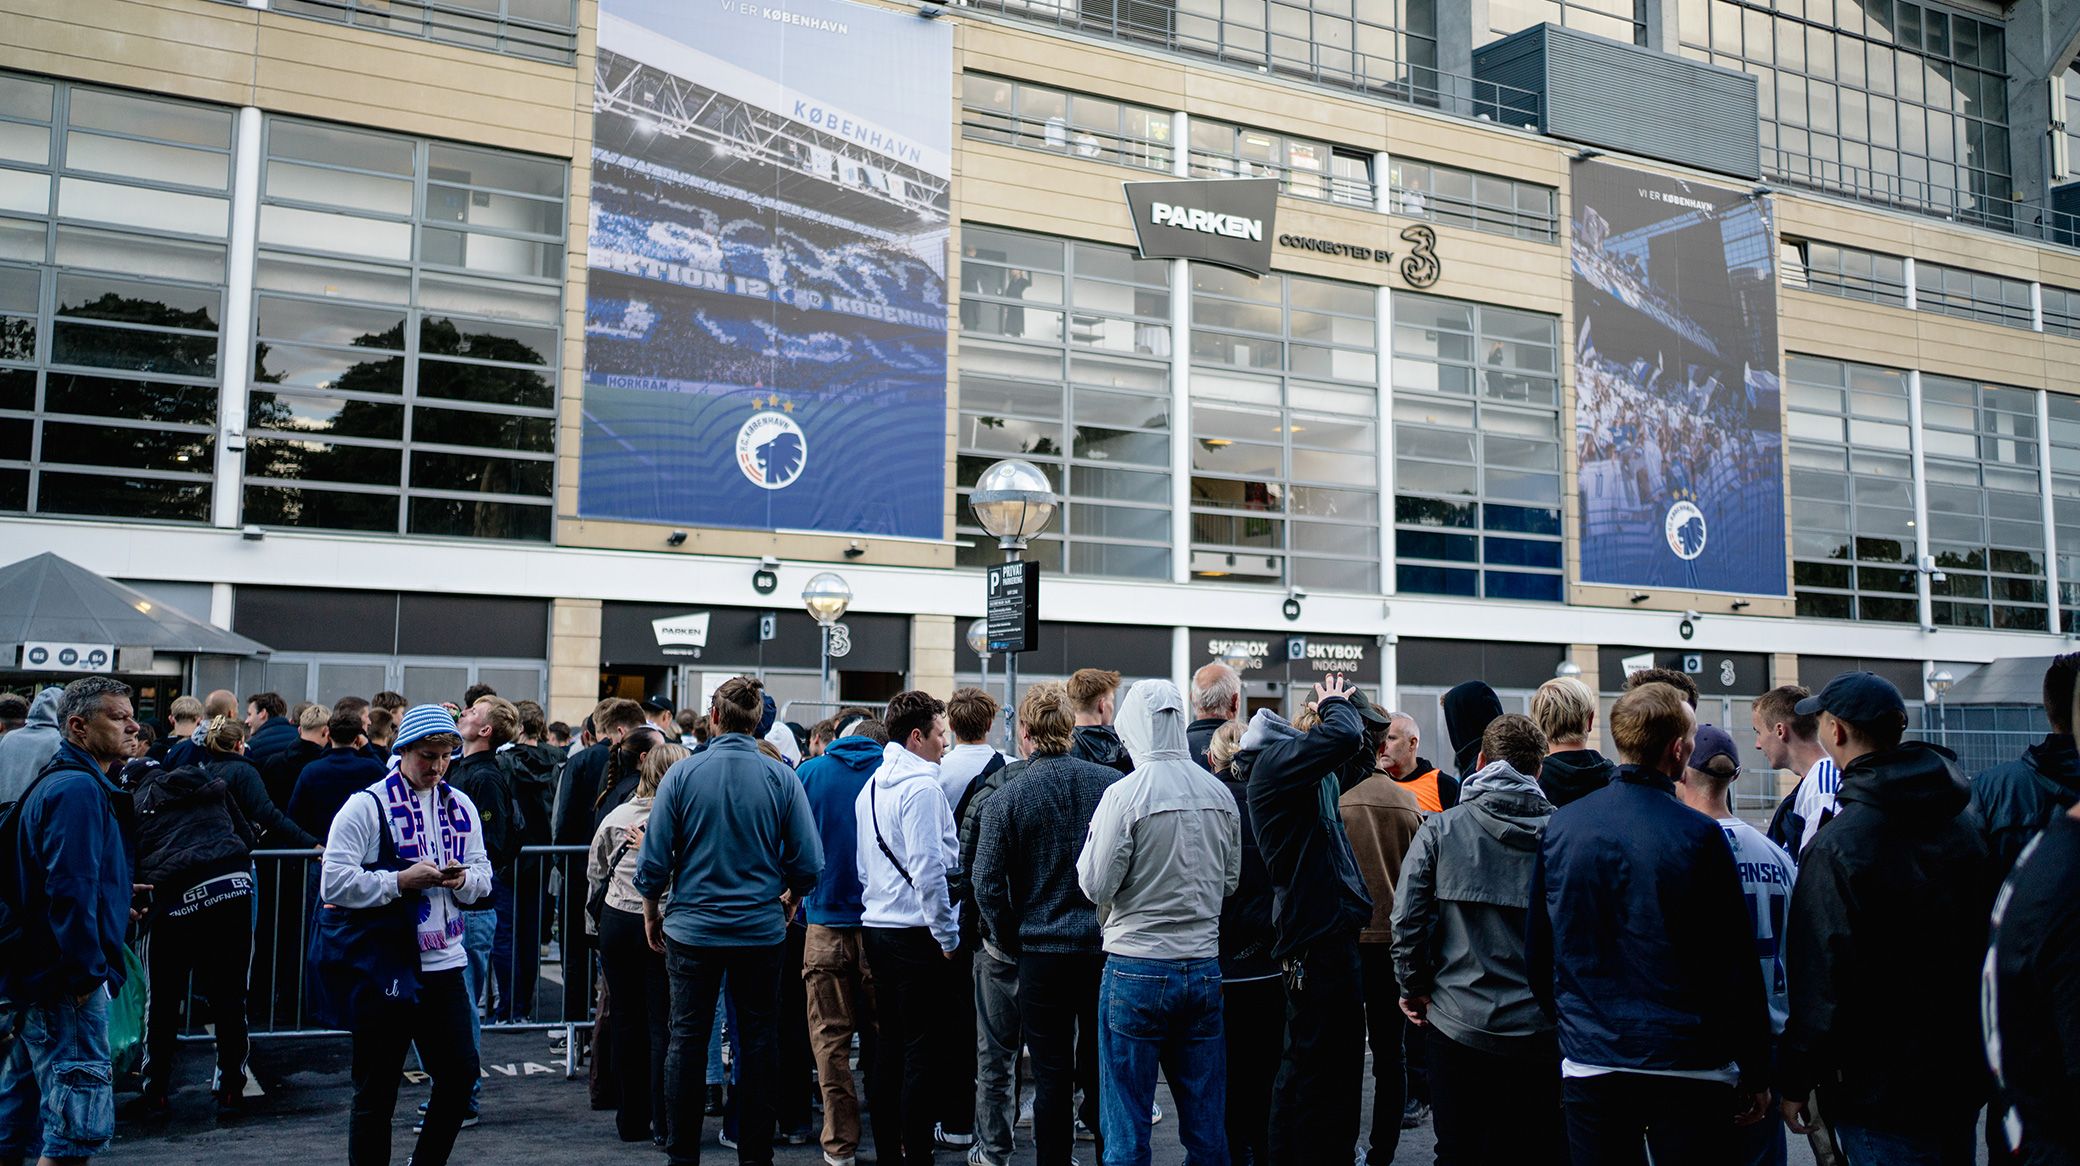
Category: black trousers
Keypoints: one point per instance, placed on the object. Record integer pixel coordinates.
(797, 1081)
(1614, 1119)
(1384, 1026)
(1058, 1009)
(1466, 1083)
(215, 945)
(1253, 1019)
(518, 975)
(908, 980)
(642, 1010)
(955, 1054)
(574, 944)
(438, 1023)
(1314, 1108)
(754, 993)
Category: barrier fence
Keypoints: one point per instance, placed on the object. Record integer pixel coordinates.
(538, 978)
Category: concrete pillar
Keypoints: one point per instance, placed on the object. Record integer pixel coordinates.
(1783, 669)
(573, 659)
(931, 653)
(2043, 36)
(1588, 658)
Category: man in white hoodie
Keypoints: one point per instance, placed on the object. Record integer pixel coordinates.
(906, 849)
(1164, 851)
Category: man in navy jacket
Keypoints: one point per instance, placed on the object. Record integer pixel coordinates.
(68, 891)
(1641, 945)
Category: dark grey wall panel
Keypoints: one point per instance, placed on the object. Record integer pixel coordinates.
(1629, 98)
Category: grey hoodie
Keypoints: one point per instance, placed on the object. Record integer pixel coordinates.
(1459, 914)
(25, 751)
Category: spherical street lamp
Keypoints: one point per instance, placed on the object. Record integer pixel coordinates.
(1014, 502)
(1568, 670)
(826, 597)
(978, 639)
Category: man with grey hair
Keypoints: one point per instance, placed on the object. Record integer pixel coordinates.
(65, 902)
(1216, 700)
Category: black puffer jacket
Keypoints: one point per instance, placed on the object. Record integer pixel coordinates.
(189, 828)
(1884, 948)
(2016, 799)
(1248, 932)
(1101, 744)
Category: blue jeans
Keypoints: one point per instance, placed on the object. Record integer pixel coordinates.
(478, 929)
(1167, 1014)
(57, 1089)
(1866, 1146)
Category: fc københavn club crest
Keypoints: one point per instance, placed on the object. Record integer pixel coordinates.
(1684, 527)
(771, 450)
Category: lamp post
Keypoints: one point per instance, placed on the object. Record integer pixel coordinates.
(1939, 682)
(978, 643)
(826, 597)
(1568, 670)
(1013, 501)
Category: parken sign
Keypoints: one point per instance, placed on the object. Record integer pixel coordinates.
(1227, 221)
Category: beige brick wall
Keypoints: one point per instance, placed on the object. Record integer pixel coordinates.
(573, 658)
(931, 654)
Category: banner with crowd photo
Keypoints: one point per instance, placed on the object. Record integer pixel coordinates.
(1677, 416)
(765, 328)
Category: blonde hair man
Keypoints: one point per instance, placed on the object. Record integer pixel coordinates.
(1093, 694)
(1565, 711)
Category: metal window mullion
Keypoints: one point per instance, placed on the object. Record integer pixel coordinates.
(1916, 454)
(422, 155)
(2050, 516)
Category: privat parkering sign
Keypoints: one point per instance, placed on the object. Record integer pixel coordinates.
(1225, 221)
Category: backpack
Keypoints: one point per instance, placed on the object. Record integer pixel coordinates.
(12, 954)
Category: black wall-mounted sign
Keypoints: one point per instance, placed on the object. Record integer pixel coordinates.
(1012, 606)
(1227, 221)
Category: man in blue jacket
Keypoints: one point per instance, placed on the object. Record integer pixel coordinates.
(269, 727)
(65, 896)
(1640, 944)
(732, 840)
(833, 967)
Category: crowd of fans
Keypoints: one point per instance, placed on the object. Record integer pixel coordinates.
(1553, 956)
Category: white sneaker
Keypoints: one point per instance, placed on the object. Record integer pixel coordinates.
(1155, 1114)
(977, 1158)
(728, 1143)
(829, 1160)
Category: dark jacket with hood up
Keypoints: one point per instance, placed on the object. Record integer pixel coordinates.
(1293, 786)
(2016, 799)
(1468, 710)
(1573, 774)
(1101, 744)
(1248, 931)
(1885, 945)
(189, 829)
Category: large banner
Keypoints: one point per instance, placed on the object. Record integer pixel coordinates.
(765, 332)
(1677, 417)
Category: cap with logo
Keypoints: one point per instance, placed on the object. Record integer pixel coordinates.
(1856, 697)
(659, 704)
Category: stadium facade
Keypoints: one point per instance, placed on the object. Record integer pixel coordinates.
(511, 341)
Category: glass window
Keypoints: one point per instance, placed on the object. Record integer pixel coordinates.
(1285, 444)
(539, 30)
(390, 394)
(1852, 506)
(1985, 517)
(1972, 295)
(1476, 450)
(1464, 198)
(1089, 403)
(1305, 169)
(1020, 113)
(114, 413)
(1844, 271)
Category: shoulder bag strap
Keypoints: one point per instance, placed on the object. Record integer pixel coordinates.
(874, 810)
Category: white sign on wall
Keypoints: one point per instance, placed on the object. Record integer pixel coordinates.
(44, 656)
(682, 635)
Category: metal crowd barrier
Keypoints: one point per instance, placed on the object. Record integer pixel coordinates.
(531, 982)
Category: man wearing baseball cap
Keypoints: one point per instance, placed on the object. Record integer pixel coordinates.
(1767, 875)
(1883, 947)
(661, 712)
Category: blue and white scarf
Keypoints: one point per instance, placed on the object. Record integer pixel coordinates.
(442, 843)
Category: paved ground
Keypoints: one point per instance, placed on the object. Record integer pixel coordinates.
(530, 1113)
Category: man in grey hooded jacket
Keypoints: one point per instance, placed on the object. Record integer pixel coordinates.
(1459, 914)
(25, 751)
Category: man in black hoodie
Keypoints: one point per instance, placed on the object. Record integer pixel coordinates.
(1468, 708)
(2016, 799)
(1320, 905)
(1565, 711)
(1900, 879)
(1093, 695)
